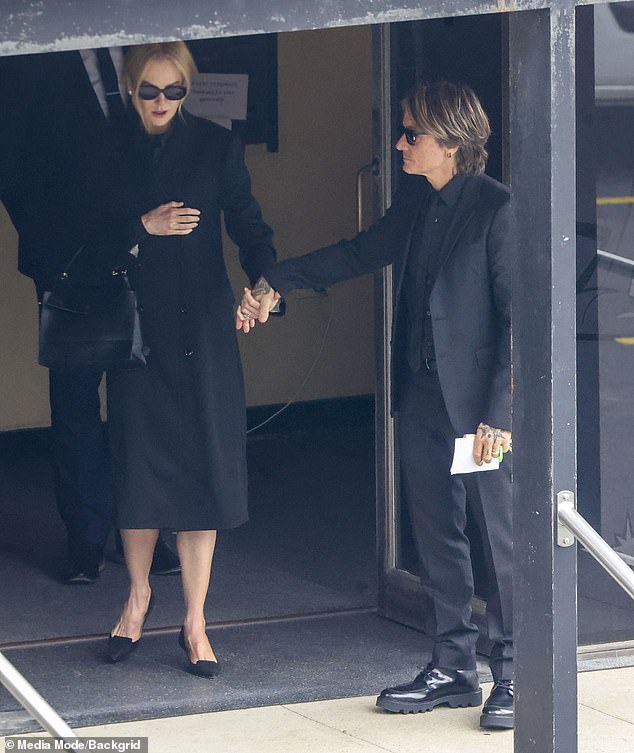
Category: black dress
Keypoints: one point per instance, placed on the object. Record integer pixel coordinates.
(178, 426)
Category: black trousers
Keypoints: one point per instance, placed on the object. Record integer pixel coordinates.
(82, 481)
(83, 487)
(437, 504)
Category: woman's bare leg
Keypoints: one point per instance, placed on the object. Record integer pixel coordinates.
(138, 548)
(196, 552)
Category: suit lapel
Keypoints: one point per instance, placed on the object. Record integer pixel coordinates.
(77, 81)
(418, 206)
(463, 213)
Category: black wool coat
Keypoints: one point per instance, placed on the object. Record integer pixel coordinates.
(178, 426)
(470, 301)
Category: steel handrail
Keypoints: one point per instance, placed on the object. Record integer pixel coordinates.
(28, 697)
(597, 547)
(615, 257)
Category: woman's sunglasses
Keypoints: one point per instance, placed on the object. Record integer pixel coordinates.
(172, 92)
(411, 136)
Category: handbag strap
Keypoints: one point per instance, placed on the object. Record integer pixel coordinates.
(64, 275)
(116, 272)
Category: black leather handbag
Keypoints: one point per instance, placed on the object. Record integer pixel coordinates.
(90, 324)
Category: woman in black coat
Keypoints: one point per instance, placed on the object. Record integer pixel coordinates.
(178, 426)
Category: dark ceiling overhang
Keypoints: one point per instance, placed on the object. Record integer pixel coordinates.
(50, 25)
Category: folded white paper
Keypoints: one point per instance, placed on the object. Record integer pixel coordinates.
(463, 461)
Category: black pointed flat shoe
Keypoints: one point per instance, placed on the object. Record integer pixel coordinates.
(119, 646)
(203, 668)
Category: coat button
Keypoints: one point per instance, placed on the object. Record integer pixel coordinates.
(140, 309)
(189, 353)
(183, 309)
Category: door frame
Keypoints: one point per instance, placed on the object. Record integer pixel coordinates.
(400, 594)
(542, 119)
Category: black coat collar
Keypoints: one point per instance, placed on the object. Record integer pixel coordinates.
(160, 182)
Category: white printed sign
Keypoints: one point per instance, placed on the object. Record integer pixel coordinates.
(219, 96)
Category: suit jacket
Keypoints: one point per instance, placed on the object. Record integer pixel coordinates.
(59, 162)
(470, 301)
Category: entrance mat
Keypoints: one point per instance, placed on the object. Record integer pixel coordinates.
(279, 662)
(309, 546)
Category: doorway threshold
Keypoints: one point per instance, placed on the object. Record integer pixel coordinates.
(264, 662)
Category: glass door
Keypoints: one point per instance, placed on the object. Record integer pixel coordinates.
(468, 49)
(473, 49)
(605, 313)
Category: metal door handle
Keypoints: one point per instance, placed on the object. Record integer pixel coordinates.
(375, 169)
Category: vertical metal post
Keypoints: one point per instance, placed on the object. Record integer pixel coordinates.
(588, 392)
(542, 110)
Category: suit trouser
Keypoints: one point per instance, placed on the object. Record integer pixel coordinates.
(80, 464)
(83, 490)
(437, 504)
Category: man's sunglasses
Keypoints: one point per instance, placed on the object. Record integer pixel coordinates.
(172, 92)
(411, 136)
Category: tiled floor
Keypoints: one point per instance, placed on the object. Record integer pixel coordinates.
(354, 725)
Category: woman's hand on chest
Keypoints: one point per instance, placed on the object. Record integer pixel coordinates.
(172, 218)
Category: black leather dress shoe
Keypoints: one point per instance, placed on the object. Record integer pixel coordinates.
(433, 687)
(120, 646)
(202, 668)
(497, 712)
(83, 574)
(164, 562)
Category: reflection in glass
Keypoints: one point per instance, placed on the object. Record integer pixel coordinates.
(605, 317)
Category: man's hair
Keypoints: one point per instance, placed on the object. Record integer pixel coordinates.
(139, 57)
(453, 115)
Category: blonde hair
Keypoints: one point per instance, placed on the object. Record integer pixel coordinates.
(453, 115)
(139, 57)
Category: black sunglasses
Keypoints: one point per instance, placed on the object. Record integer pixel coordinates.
(172, 92)
(411, 136)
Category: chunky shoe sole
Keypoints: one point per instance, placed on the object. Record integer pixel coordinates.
(497, 722)
(460, 700)
(165, 569)
(81, 578)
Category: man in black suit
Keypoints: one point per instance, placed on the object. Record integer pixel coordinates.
(63, 175)
(448, 234)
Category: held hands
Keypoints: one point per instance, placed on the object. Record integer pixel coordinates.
(488, 441)
(171, 219)
(255, 305)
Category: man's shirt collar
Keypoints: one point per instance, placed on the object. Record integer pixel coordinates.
(450, 192)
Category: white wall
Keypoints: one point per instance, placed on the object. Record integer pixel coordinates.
(307, 191)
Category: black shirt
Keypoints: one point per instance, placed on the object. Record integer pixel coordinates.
(422, 268)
